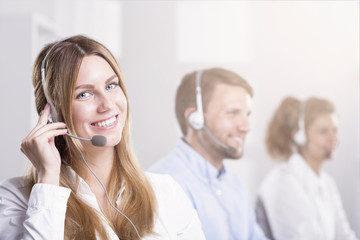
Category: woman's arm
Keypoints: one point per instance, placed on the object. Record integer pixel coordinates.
(42, 216)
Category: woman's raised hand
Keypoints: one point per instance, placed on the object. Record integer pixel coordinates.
(39, 147)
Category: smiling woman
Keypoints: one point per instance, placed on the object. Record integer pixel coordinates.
(108, 197)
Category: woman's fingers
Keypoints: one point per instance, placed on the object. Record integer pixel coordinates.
(43, 119)
(42, 138)
(43, 125)
(39, 146)
(43, 154)
(49, 127)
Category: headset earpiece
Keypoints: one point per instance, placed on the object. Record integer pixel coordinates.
(300, 138)
(300, 135)
(196, 119)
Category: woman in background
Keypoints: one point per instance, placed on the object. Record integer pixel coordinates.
(300, 200)
(62, 198)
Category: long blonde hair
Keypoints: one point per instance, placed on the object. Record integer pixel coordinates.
(138, 200)
(285, 123)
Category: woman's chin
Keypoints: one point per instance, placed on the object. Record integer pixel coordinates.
(112, 141)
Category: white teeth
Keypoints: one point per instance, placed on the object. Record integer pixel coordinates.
(106, 123)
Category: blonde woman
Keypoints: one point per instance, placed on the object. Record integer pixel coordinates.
(77, 190)
(301, 201)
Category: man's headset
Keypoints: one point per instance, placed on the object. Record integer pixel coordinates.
(300, 135)
(197, 121)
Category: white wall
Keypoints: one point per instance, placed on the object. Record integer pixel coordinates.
(302, 48)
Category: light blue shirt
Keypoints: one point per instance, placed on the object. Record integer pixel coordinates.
(220, 199)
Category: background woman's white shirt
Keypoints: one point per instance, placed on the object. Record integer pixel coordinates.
(300, 204)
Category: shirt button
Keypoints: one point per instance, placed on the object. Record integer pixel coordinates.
(218, 192)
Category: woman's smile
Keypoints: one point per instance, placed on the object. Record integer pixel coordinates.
(108, 123)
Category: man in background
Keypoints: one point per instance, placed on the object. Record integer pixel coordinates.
(213, 108)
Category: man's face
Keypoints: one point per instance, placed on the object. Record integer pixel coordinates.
(227, 118)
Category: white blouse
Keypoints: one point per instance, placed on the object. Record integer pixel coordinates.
(42, 215)
(302, 205)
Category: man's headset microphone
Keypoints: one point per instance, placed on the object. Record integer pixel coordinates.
(97, 140)
(197, 121)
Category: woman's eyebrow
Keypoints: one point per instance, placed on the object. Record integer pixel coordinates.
(111, 78)
(90, 86)
(87, 86)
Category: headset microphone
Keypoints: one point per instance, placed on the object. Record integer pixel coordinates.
(97, 140)
(229, 150)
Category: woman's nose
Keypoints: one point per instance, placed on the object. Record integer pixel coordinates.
(104, 103)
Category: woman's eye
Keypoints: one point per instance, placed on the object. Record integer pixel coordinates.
(232, 113)
(111, 86)
(83, 95)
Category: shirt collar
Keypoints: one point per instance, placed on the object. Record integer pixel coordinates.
(312, 182)
(198, 164)
(82, 186)
(84, 190)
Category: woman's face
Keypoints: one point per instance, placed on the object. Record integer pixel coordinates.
(322, 137)
(99, 105)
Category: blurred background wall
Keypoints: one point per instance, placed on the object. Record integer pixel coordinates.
(299, 48)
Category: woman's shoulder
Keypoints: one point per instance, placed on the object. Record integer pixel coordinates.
(175, 211)
(279, 179)
(166, 188)
(279, 172)
(161, 182)
(15, 183)
(14, 188)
